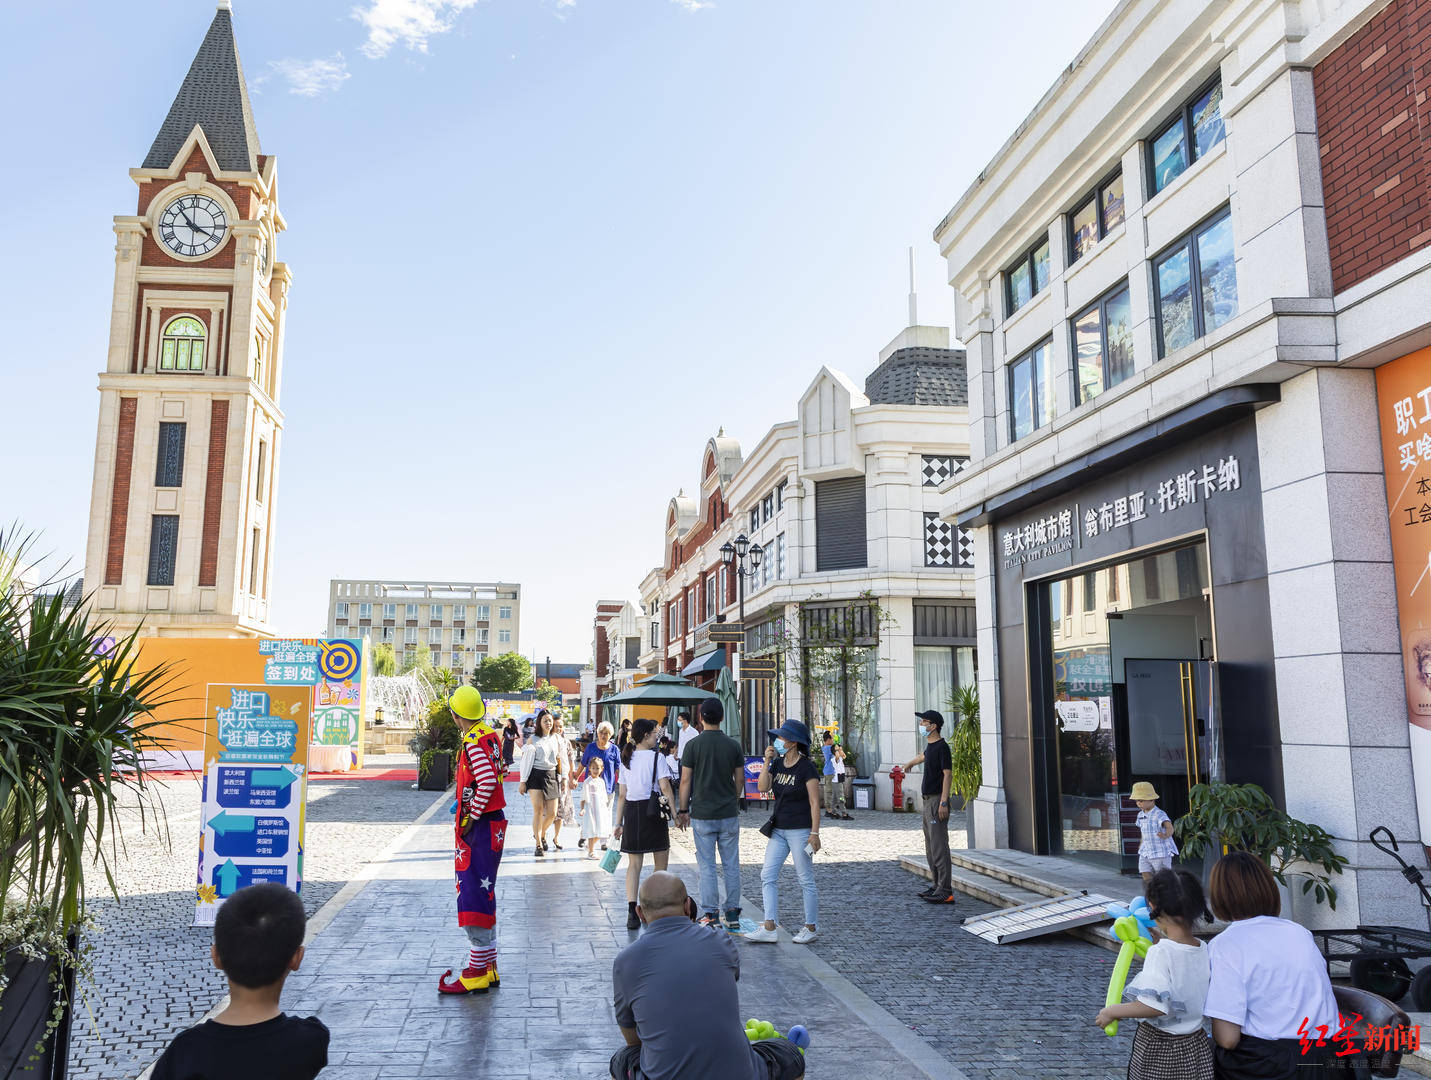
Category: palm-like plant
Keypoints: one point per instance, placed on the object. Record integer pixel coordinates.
(76, 717)
(966, 755)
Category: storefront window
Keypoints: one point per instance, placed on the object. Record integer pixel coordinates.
(1125, 640)
(938, 670)
(842, 694)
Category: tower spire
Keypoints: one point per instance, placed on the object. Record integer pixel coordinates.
(215, 97)
(913, 297)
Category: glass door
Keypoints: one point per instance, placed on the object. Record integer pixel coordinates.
(1168, 728)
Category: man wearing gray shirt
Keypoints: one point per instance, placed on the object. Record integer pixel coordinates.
(676, 1000)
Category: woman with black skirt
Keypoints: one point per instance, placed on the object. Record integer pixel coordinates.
(542, 777)
(640, 820)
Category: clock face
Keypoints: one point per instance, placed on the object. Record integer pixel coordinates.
(192, 225)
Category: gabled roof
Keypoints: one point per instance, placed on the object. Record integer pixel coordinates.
(215, 97)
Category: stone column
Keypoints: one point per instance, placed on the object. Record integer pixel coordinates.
(988, 817)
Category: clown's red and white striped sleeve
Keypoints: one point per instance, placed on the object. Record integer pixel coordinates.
(484, 778)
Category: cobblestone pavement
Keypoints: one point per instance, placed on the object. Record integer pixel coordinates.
(997, 1012)
(371, 976)
(153, 976)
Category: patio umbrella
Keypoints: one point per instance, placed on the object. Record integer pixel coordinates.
(659, 690)
(725, 690)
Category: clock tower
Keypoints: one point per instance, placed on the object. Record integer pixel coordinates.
(181, 516)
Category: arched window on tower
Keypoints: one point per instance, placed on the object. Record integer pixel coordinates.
(182, 347)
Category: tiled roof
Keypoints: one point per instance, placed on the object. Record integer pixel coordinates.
(215, 97)
(920, 376)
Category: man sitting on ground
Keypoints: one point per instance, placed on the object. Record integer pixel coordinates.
(677, 1003)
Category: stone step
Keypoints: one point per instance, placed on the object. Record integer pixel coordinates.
(1001, 892)
(1019, 879)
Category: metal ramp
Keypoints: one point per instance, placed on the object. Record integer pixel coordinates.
(1040, 917)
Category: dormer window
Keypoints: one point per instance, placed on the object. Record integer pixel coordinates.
(182, 346)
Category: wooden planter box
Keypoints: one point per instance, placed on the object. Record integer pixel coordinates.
(438, 774)
(24, 1007)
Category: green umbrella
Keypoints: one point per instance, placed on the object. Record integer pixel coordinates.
(725, 690)
(659, 690)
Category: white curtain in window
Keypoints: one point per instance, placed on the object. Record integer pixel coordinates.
(933, 680)
(964, 666)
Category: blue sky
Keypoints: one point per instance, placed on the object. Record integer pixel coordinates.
(542, 250)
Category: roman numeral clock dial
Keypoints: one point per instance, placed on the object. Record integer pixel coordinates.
(192, 225)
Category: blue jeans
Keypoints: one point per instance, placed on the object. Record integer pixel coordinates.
(789, 842)
(710, 834)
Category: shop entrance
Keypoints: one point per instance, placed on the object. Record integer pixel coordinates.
(1131, 691)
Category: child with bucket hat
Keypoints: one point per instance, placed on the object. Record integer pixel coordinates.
(1157, 849)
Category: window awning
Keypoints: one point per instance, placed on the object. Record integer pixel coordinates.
(711, 661)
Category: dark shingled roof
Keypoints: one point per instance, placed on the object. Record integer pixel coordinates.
(215, 97)
(920, 376)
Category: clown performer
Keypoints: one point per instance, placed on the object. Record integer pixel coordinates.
(481, 830)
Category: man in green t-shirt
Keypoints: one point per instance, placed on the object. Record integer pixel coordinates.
(712, 776)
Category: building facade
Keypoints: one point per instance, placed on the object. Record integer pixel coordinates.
(460, 623)
(863, 595)
(1181, 282)
(181, 519)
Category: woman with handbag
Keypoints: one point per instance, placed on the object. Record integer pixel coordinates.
(542, 778)
(566, 808)
(793, 829)
(640, 818)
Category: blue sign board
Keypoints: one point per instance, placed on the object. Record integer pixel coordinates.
(250, 835)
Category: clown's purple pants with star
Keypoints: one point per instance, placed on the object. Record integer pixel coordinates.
(479, 854)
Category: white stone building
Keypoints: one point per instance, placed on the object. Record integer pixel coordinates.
(862, 593)
(1180, 283)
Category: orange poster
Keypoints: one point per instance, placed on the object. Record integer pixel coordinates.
(1403, 391)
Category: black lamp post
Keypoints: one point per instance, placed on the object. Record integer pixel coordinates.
(736, 555)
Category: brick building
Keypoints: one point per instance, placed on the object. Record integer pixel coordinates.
(1194, 289)
(186, 460)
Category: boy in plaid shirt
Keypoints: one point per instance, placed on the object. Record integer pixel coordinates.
(1157, 849)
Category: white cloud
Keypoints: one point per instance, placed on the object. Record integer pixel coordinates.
(694, 5)
(308, 78)
(411, 22)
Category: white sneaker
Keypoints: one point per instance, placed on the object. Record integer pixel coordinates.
(805, 936)
(763, 935)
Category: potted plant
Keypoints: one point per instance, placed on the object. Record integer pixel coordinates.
(965, 751)
(76, 717)
(436, 745)
(1225, 817)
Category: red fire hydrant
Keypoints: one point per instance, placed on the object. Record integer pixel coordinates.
(896, 777)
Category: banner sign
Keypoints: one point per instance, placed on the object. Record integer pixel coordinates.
(264, 702)
(1403, 391)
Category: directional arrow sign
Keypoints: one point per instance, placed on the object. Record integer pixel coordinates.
(758, 668)
(224, 823)
(228, 875)
(729, 632)
(272, 778)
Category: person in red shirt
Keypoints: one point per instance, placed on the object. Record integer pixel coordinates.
(481, 825)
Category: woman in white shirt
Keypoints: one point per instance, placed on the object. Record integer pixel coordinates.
(565, 811)
(541, 774)
(640, 822)
(1269, 981)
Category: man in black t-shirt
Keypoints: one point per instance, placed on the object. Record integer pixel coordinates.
(934, 794)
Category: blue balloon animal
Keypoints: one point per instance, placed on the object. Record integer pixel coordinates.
(1138, 909)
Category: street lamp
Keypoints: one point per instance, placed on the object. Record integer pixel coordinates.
(735, 555)
(378, 716)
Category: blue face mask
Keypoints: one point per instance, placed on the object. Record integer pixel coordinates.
(780, 746)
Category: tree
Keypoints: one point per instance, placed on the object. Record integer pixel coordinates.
(503, 674)
(384, 659)
(548, 692)
(418, 660)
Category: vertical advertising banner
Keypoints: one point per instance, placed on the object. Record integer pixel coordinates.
(1403, 390)
(340, 696)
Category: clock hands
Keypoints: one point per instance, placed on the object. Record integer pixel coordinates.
(190, 223)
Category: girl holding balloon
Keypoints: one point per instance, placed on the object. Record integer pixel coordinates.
(1167, 996)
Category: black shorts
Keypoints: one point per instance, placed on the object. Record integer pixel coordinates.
(544, 781)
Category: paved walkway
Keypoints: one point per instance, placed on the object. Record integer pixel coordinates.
(371, 973)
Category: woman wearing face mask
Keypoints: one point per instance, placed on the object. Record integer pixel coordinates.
(793, 828)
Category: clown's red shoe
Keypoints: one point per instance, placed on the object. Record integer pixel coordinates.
(470, 981)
